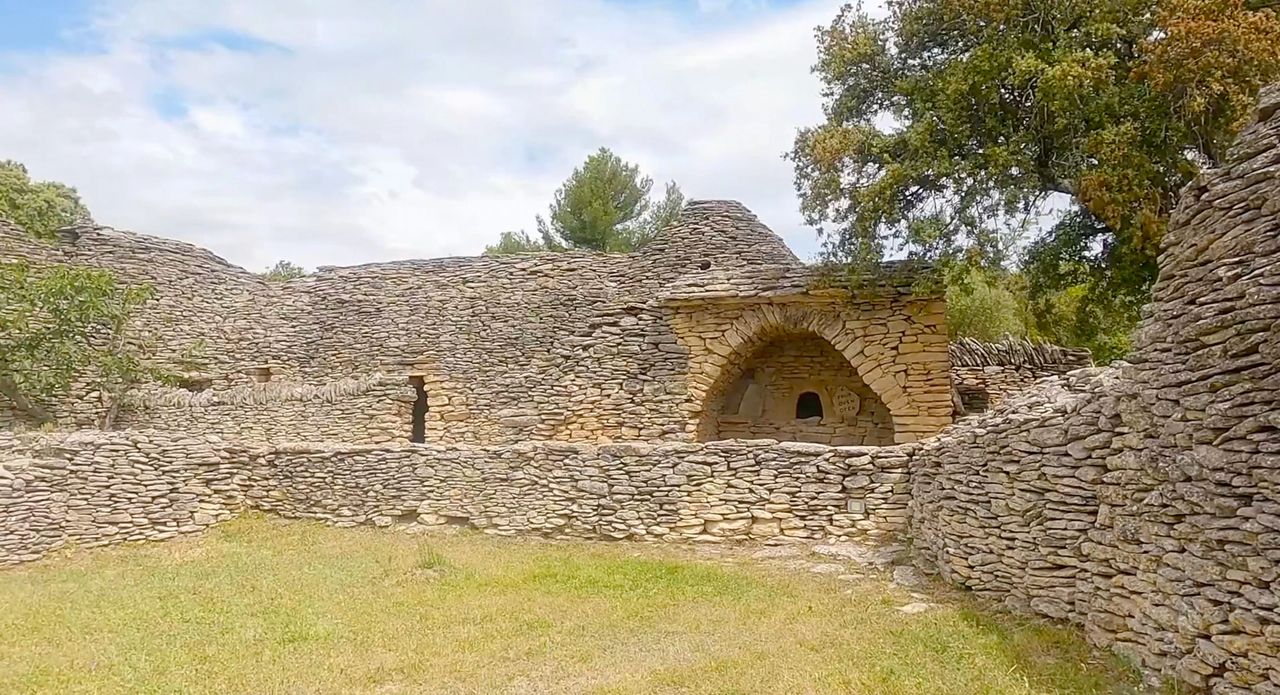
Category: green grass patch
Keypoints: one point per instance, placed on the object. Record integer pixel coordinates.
(260, 605)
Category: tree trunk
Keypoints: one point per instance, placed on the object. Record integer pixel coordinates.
(9, 389)
(113, 411)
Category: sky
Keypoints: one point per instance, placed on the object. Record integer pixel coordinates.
(331, 132)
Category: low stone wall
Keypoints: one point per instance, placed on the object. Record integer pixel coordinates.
(92, 489)
(96, 488)
(372, 410)
(1140, 501)
(719, 490)
(1062, 503)
(1007, 503)
(985, 374)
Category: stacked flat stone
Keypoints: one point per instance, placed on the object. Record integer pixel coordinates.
(555, 346)
(1143, 502)
(371, 410)
(93, 488)
(984, 374)
(1016, 352)
(783, 370)
(1140, 501)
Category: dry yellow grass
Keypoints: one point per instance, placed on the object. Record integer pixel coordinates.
(261, 605)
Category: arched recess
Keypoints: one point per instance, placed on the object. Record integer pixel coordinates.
(719, 368)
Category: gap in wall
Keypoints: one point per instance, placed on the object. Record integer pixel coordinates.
(418, 432)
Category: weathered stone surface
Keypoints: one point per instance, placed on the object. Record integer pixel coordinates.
(582, 347)
(1136, 500)
(113, 486)
(1140, 501)
(985, 374)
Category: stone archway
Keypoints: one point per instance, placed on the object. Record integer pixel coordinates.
(795, 387)
(717, 368)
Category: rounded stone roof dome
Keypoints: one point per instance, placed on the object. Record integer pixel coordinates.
(722, 232)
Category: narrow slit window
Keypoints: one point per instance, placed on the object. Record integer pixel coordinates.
(808, 405)
(418, 433)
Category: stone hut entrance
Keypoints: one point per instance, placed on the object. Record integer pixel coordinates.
(796, 387)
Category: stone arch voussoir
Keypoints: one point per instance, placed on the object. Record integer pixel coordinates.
(758, 325)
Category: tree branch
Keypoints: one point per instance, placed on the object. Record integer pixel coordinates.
(9, 389)
(1055, 184)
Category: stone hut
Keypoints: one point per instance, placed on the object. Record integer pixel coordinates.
(1140, 501)
(713, 330)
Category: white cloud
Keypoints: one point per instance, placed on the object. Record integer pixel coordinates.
(369, 131)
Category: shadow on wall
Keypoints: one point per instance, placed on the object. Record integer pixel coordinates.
(796, 387)
(418, 426)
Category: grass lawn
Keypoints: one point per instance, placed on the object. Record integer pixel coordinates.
(261, 605)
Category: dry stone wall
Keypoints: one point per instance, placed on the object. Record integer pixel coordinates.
(763, 402)
(88, 489)
(985, 374)
(711, 491)
(94, 488)
(1143, 502)
(374, 410)
(897, 346)
(563, 346)
(1140, 501)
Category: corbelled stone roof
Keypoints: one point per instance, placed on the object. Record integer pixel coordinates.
(584, 339)
(716, 250)
(724, 232)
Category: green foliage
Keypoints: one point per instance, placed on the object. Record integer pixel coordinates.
(1082, 294)
(950, 123)
(989, 304)
(982, 306)
(605, 205)
(60, 322)
(194, 357)
(282, 271)
(39, 207)
(514, 242)
(429, 559)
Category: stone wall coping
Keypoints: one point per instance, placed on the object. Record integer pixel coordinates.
(160, 439)
(260, 393)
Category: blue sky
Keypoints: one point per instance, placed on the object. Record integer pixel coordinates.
(41, 26)
(331, 132)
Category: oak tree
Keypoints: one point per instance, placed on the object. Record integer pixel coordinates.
(950, 124)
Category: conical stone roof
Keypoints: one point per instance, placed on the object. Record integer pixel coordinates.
(722, 232)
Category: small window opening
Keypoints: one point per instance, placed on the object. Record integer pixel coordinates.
(733, 399)
(704, 265)
(973, 399)
(808, 405)
(195, 384)
(260, 375)
(418, 433)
